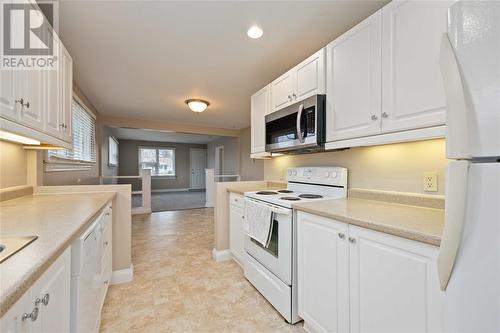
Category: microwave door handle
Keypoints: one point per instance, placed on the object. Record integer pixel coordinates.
(299, 128)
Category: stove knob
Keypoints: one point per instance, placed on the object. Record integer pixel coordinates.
(327, 174)
(295, 172)
(290, 172)
(333, 174)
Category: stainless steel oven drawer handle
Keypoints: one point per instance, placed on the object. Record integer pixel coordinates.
(299, 129)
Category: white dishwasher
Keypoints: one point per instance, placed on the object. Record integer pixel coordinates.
(86, 279)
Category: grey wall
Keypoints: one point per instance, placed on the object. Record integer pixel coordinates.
(129, 163)
(231, 154)
(250, 169)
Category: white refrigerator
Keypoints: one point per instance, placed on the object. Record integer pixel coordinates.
(469, 258)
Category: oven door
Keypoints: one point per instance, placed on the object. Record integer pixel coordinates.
(298, 126)
(277, 256)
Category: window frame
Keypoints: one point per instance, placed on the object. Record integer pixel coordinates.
(157, 148)
(57, 163)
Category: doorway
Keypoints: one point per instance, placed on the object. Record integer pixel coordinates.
(198, 164)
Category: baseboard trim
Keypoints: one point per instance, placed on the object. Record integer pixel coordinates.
(123, 275)
(209, 204)
(221, 255)
(140, 211)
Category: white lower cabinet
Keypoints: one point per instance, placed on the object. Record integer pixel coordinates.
(45, 307)
(236, 231)
(352, 279)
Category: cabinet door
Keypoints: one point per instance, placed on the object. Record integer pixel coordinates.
(412, 90)
(259, 108)
(8, 107)
(30, 88)
(310, 76)
(281, 91)
(53, 290)
(393, 284)
(323, 273)
(353, 81)
(236, 234)
(12, 321)
(52, 85)
(66, 92)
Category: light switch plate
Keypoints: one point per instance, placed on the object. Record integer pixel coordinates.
(430, 181)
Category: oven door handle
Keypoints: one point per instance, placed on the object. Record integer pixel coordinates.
(274, 209)
(299, 128)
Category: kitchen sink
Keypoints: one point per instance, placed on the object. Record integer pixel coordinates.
(10, 246)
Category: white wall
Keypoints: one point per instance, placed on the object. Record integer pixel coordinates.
(231, 154)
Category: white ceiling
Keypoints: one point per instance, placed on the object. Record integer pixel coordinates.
(142, 59)
(159, 136)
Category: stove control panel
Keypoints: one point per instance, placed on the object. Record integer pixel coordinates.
(334, 176)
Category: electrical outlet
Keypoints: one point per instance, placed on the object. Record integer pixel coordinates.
(430, 181)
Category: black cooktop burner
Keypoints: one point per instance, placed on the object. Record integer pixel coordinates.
(266, 192)
(310, 196)
(285, 191)
(290, 198)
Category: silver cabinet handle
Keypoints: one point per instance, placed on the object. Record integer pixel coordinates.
(385, 115)
(106, 243)
(374, 117)
(352, 240)
(33, 315)
(294, 96)
(299, 128)
(45, 299)
(106, 282)
(341, 235)
(107, 214)
(289, 97)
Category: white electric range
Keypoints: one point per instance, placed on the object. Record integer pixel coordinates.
(272, 269)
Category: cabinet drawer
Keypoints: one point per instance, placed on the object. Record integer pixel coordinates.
(237, 200)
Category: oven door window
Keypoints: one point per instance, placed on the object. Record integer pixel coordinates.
(272, 248)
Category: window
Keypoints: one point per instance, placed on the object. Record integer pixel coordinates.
(83, 153)
(112, 152)
(161, 161)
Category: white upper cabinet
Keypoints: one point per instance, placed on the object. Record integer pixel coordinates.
(394, 285)
(282, 90)
(353, 79)
(412, 91)
(259, 108)
(304, 80)
(37, 102)
(310, 77)
(66, 93)
(323, 295)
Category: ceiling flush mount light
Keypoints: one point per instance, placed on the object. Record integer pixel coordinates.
(17, 138)
(255, 32)
(197, 105)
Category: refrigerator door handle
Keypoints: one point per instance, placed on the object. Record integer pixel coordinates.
(456, 195)
(456, 116)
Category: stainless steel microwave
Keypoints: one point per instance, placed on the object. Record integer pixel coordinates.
(297, 128)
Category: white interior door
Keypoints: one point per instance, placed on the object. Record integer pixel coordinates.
(198, 162)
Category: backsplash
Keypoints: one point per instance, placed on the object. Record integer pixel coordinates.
(396, 167)
(12, 164)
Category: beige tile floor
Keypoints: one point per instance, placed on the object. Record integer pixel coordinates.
(177, 286)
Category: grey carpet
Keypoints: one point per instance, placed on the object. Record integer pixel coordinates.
(161, 202)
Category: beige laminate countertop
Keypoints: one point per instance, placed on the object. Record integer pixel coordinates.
(412, 222)
(57, 219)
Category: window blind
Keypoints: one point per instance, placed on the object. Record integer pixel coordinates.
(84, 145)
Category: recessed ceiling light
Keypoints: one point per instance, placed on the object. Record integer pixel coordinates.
(255, 32)
(197, 105)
